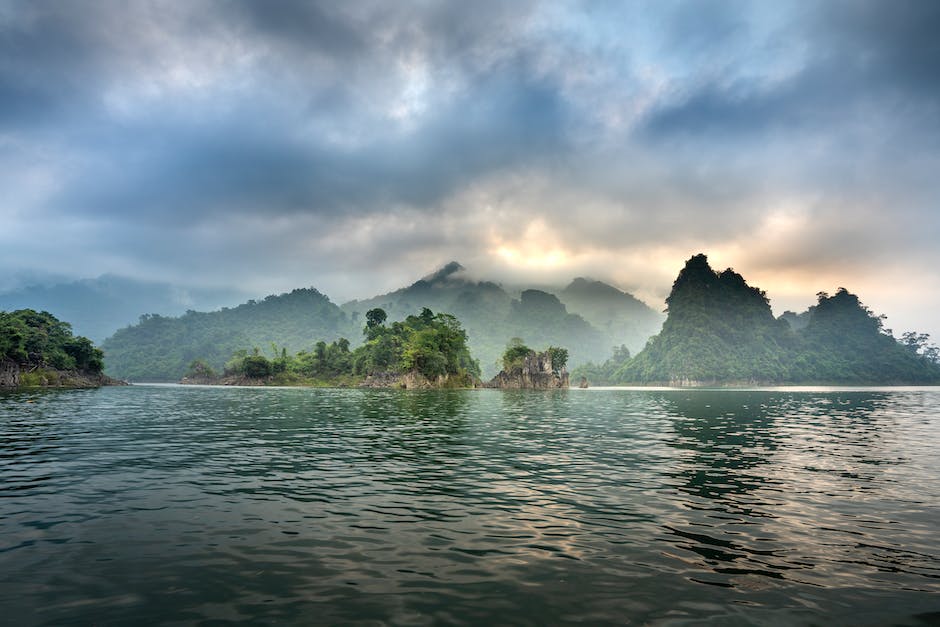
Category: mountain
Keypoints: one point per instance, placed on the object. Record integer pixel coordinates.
(161, 348)
(845, 342)
(492, 315)
(618, 315)
(99, 307)
(719, 329)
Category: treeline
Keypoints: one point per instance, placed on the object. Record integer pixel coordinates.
(37, 339)
(431, 345)
(604, 373)
(720, 330)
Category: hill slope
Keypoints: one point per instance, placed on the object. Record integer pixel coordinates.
(159, 348)
(721, 330)
(620, 316)
(492, 315)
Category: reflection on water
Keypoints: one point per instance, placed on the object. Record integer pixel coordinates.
(775, 488)
(209, 505)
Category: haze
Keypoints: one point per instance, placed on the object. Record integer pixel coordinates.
(356, 146)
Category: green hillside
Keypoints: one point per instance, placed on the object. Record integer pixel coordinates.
(492, 315)
(161, 348)
(721, 330)
(37, 339)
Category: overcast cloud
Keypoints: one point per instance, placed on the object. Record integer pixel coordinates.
(356, 146)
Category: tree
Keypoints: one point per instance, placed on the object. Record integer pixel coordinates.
(256, 366)
(515, 354)
(375, 318)
(559, 357)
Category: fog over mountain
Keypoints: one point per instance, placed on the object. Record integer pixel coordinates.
(96, 308)
(257, 147)
(162, 347)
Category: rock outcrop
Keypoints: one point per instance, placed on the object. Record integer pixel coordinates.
(12, 376)
(9, 374)
(417, 381)
(535, 372)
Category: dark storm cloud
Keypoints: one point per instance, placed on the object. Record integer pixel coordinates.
(858, 56)
(250, 155)
(319, 26)
(247, 163)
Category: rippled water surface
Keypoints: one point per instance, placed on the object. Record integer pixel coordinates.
(184, 505)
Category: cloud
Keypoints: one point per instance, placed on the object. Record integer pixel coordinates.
(356, 145)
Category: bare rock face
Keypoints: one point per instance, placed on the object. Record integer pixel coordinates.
(536, 372)
(417, 381)
(9, 374)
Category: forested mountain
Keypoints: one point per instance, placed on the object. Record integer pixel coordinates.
(492, 315)
(844, 341)
(719, 330)
(161, 348)
(98, 307)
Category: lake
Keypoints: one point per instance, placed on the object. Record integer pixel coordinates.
(196, 505)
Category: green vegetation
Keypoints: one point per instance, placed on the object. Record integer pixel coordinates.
(517, 352)
(38, 341)
(605, 373)
(559, 357)
(160, 348)
(431, 345)
(721, 330)
(587, 316)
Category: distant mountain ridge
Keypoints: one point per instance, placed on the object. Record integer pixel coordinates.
(161, 348)
(98, 307)
(587, 317)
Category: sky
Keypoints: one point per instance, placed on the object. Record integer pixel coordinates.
(355, 146)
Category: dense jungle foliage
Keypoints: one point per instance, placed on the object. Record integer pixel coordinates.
(36, 339)
(429, 344)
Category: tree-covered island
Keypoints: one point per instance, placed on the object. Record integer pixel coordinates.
(428, 350)
(39, 350)
(524, 367)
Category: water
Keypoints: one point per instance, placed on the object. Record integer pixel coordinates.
(179, 505)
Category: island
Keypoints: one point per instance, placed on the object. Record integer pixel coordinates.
(39, 350)
(524, 368)
(423, 351)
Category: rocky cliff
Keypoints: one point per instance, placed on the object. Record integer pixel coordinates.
(9, 374)
(536, 371)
